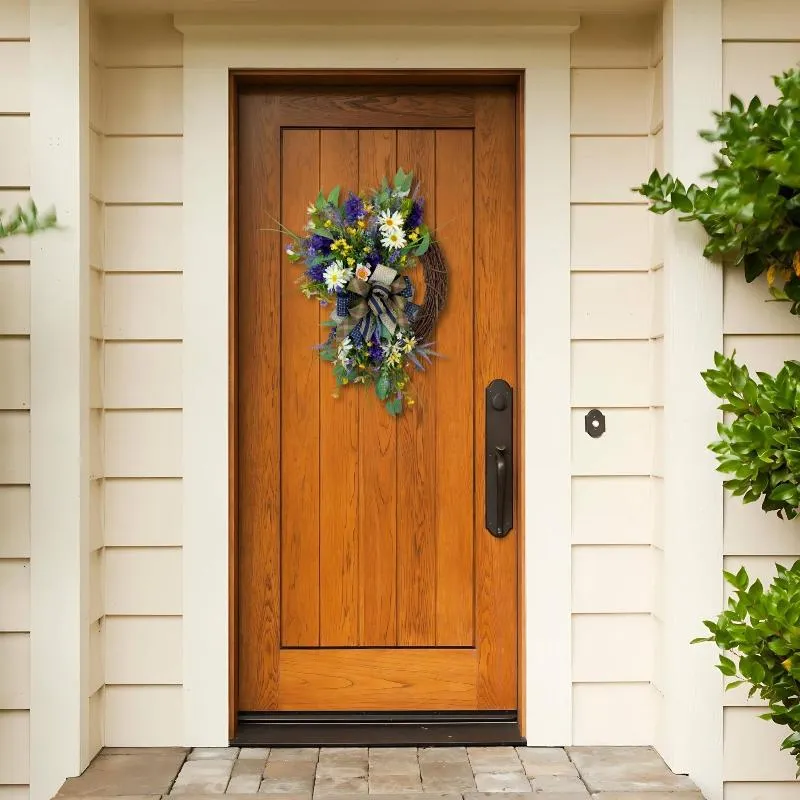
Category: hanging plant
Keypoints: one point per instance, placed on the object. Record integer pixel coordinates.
(751, 210)
(357, 255)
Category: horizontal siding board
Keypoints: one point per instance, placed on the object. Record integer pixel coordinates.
(17, 248)
(15, 94)
(752, 748)
(749, 531)
(611, 373)
(97, 300)
(96, 164)
(773, 58)
(612, 580)
(15, 386)
(15, 513)
(143, 306)
(143, 650)
(608, 510)
(757, 567)
(15, 298)
(97, 586)
(612, 648)
(143, 581)
(96, 80)
(18, 792)
(142, 170)
(15, 162)
(15, 20)
(96, 374)
(657, 106)
(15, 667)
(143, 716)
(613, 714)
(611, 102)
(760, 790)
(96, 234)
(144, 41)
(608, 41)
(605, 168)
(142, 513)
(612, 305)
(15, 455)
(748, 309)
(143, 238)
(624, 449)
(96, 445)
(96, 656)
(657, 370)
(773, 19)
(609, 237)
(96, 490)
(143, 375)
(143, 444)
(15, 599)
(96, 737)
(143, 102)
(763, 353)
(14, 743)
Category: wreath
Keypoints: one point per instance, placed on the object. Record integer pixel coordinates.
(357, 256)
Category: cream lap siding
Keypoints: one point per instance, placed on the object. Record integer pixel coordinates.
(612, 561)
(14, 411)
(142, 381)
(759, 40)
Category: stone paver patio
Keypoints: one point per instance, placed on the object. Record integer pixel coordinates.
(391, 773)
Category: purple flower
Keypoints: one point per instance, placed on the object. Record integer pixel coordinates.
(316, 273)
(373, 259)
(353, 209)
(320, 243)
(375, 350)
(414, 219)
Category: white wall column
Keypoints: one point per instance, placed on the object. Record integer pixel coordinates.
(691, 730)
(59, 80)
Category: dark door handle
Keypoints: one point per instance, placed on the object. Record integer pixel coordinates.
(499, 458)
(501, 472)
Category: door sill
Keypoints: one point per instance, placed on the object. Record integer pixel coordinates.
(367, 729)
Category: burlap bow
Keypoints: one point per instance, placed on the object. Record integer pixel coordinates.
(383, 299)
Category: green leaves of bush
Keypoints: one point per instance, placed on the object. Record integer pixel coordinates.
(25, 221)
(760, 630)
(751, 210)
(760, 447)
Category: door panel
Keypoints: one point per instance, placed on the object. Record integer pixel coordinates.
(366, 578)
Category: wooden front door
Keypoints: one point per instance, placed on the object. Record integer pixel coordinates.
(366, 579)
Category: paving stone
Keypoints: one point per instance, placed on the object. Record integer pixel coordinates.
(545, 761)
(293, 754)
(626, 769)
(452, 776)
(343, 753)
(494, 759)
(501, 782)
(244, 784)
(214, 753)
(443, 755)
(143, 751)
(403, 796)
(257, 753)
(692, 795)
(560, 784)
(328, 787)
(341, 770)
(204, 776)
(395, 784)
(139, 774)
(290, 770)
(265, 796)
(283, 786)
(530, 795)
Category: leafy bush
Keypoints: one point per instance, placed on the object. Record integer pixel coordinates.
(760, 448)
(760, 631)
(752, 213)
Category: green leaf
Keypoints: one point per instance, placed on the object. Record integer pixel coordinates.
(382, 387)
(333, 197)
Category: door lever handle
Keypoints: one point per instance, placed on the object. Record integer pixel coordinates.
(501, 473)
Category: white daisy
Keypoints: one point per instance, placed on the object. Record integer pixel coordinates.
(312, 209)
(343, 353)
(393, 239)
(390, 221)
(336, 276)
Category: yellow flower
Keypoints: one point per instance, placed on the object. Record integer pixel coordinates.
(367, 249)
(796, 263)
(403, 258)
(409, 401)
(350, 230)
(413, 236)
(328, 223)
(350, 262)
(344, 381)
(362, 224)
(771, 275)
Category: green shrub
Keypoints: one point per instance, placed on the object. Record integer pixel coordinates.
(760, 447)
(760, 631)
(25, 221)
(751, 212)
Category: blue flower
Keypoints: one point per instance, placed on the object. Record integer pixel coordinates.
(320, 243)
(353, 209)
(316, 273)
(373, 259)
(414, 219)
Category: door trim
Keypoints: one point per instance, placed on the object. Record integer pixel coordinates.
(358, 81)
(213, 47)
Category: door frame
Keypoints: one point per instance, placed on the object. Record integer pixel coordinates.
(539, 49)
(365, 79)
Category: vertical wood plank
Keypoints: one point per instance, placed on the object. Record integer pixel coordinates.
(258, 404)
(495, 357)
(338, 430)
(454, 394)
(416, 431)
(377, 456)
(300, 441)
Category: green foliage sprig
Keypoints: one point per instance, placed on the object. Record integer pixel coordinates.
(25, 221)
(751, 212)
(760, 631)
(760, 447)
